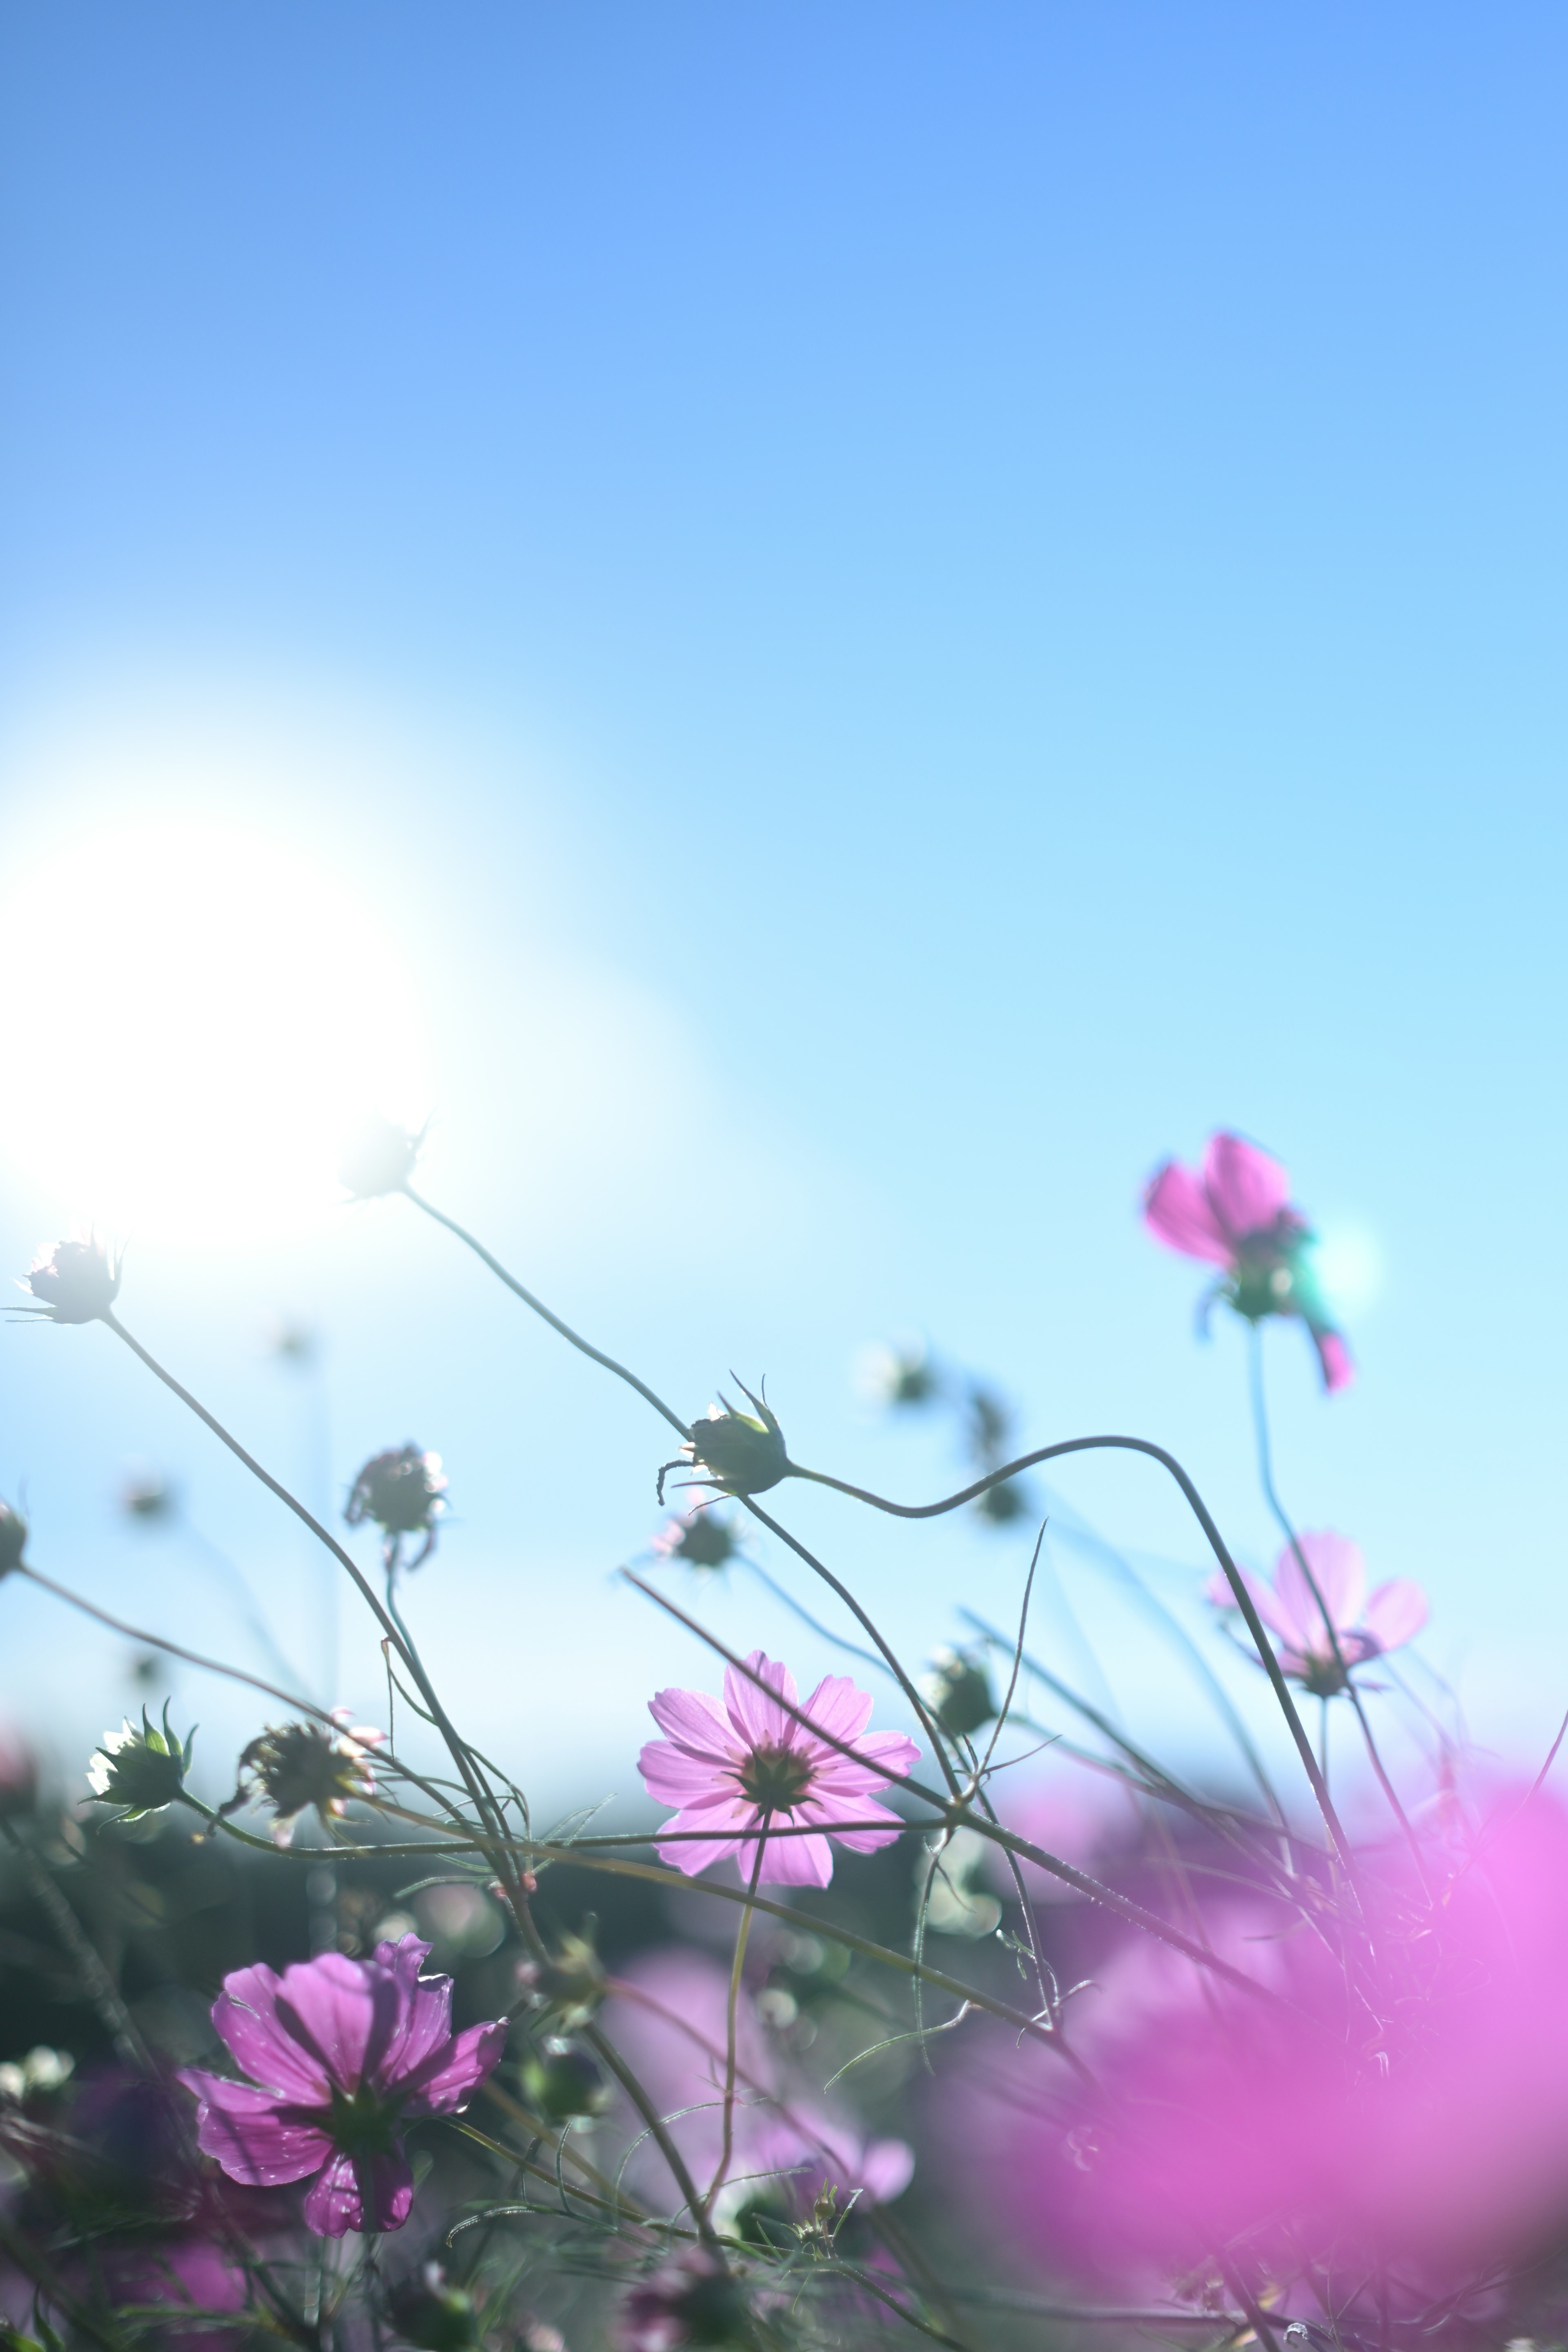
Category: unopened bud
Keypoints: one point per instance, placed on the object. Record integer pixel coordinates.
(561, 2081)
(139, 1771)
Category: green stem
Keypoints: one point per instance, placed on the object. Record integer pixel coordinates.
(742, 1934)
(1217, 1544)
(584, 1347)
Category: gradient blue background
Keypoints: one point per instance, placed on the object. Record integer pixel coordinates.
(964, 593)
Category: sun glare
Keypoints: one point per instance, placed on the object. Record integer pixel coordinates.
(206, 1013)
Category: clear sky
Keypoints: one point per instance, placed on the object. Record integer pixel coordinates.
(872, 617)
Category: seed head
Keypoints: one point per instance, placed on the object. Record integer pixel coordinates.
(140, 1771)
(569, 1985)
(292, 1766)
(78, 1281)
(378, 1157)
(403, 1493)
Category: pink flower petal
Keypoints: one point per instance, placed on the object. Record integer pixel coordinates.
(694, 1721)
(423, 2023)
(1261, 1596)
(1334, 1360)
(792, 1862)
(245, 2015)
(449, 2075)
(369, 2193)
(342, 2012)
(1177, 1211)
(692, 1856)
(1395, 1613)
(1340, 1574)
(254, 2141)
(1247, 1187)
(757, 1718)
(837, 1707)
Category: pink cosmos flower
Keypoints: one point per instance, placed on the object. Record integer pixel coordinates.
(344, 2052)
(733, 1770)
(1236, 1213)
(1366, 1625)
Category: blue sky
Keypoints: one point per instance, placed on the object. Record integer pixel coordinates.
(895, 612)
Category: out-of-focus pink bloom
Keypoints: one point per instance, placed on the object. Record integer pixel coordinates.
(1079, 1815)
(703, 1539)
(667, 2017)
(18, 1775)
(78, 1281)
(1235, 1212)
(735, 1768)
(344, 2052)
(1405, 2126)
(687, 2301)
(812, 2152)
(1365, 1625)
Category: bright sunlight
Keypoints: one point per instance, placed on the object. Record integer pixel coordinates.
(208, 1012)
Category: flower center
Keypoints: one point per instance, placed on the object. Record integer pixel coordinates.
(775, 1778)
(362, 2125)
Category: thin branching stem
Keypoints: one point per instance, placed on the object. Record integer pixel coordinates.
(574, 1339)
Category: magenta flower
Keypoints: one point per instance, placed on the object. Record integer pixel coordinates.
(736, 1769)
(343, 2053)
(1236, 1213)
(1365, 1625)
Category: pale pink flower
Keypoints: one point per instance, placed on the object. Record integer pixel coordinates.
(345, 2052)
(735, 1768)
(1236, 1213)
(1365, 1624)
(812, 2152)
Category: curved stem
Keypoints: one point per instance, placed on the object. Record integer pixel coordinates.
(923, 1713)
(603, 2047)
(731, 2020)
(1266, 1479)
(477, 1789)
(594, 1355)
(1217, 1543)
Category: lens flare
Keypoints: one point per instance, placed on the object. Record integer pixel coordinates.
(206, 1012)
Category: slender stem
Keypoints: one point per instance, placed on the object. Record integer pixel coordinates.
(596, 1355)
(954, 1811)
(923, 1713)
(1266, 1479)
(600, 2042)
(1217, 1543)
(96, 1981)
(731, 2021)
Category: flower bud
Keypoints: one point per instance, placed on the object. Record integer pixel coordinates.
(403, 1493)
(903, 1375)
(78, 1281)
(140, 1771)
(958, 1692)
(1002, 1505)
(740, 1452)
(569, 1985)
(701, 1538)
(432, 2315)
(560, 2081)
(13, 1538)
(378, 1157)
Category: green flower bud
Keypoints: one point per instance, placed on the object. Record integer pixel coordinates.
(569, 1985)
(958, 1692)
(13, 1538)
(740, 1452)
(140, 1771)
(560, 2081)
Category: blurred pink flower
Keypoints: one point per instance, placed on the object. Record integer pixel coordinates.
(344, 2052)
(733, 1770)
(1078, 1815)
(1399, 2131)
(813, 2151)
(1236, 1213)
(1366, 1625)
